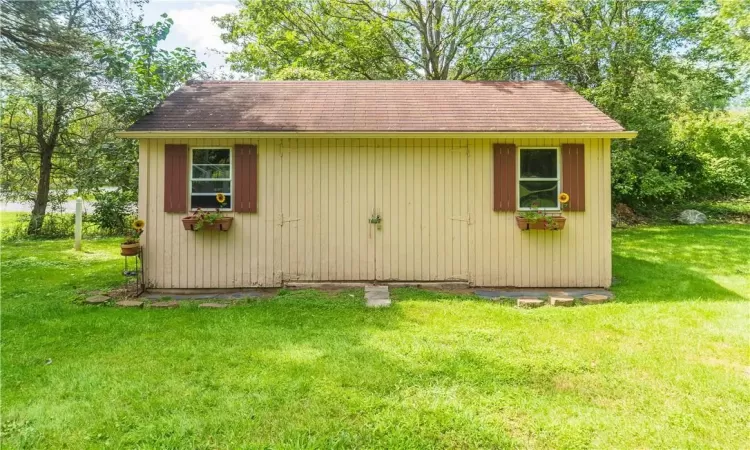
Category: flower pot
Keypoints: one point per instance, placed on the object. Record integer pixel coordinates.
(130, 249)
(221, 224)
(541, 224)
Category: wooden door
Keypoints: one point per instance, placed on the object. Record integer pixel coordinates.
(422, 195)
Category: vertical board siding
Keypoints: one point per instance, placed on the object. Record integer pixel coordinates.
(436, 198)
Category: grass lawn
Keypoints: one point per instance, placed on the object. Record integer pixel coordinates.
(665, 366)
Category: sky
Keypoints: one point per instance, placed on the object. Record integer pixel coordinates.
(193, 27)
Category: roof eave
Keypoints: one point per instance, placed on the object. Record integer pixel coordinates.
(373, 134)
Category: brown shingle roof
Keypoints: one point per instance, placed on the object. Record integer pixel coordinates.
(377, 106)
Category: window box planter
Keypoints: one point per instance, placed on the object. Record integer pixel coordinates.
(541, 224)
(220, 224)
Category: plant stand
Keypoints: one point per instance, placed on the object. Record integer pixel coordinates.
(133, 273)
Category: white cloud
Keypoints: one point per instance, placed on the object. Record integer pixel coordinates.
(193, 26)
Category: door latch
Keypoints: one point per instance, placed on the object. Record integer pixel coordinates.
(376, 219)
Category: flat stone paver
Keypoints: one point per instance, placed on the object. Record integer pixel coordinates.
(96, 300)
(594, 299)
(561, 301)
(531, 293)
(213, 305)
(524, 302)
(165, 305)
(377, 296)
(130, 304)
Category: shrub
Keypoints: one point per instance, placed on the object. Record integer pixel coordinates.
(56, 225)
(113, 211)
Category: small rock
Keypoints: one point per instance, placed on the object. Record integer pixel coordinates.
(594, 299)
(213, 305)
(691, 217)
(165, 305)
(525, 302)
(96, 300)
(561, 301)
(130, 304)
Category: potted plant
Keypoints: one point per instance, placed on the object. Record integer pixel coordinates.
(539, 219)
(204, 220)
(131, 246)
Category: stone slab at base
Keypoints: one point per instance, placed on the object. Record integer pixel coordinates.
(213, 305)
(130, 304)
(377, 296)
(594, 299)
(165, 305)
(525, 302)
(97, 300)
(561, 301)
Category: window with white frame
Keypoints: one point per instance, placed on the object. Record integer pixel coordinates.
(538, 178)
(210, 174)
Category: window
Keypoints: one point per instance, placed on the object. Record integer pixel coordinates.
(210, 174)
(538, 178)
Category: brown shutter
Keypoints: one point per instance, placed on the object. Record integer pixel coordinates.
(175, 178)
(504, 177)
(574, 176)
(245, 197)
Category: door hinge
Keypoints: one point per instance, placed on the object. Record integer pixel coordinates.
(466, 219)
(282, 220)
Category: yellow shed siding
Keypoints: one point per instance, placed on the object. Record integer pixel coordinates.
(315, 196)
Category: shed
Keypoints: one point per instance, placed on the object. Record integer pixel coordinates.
(377, 181)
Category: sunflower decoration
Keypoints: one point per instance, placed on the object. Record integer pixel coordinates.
(137, 225)
(564, 198)
(221, 198)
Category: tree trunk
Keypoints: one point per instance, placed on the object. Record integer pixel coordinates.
(42, 194)
(46, 149)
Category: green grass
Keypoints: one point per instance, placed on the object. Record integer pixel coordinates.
(666, 366)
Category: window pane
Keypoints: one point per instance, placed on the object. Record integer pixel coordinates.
(208, 202)
(538, 194)
(208, 187)
(211, 171)
(539, 163)
(211, 156)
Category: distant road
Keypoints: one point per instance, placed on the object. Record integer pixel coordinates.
(68, 207)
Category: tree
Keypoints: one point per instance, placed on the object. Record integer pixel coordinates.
(364, 39)
(52, 70)
(85, 74)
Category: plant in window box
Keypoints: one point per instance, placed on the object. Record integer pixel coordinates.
(131, 246)
(539, 219)
(205, 220)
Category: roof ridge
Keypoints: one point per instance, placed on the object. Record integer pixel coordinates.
(191, 82)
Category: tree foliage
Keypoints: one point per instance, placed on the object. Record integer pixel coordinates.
(363, 39)
(140, 75)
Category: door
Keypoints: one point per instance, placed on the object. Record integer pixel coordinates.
(330, 190)
(326, 195)
(422, 198)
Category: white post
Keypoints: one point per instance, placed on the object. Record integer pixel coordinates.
(79, 224)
